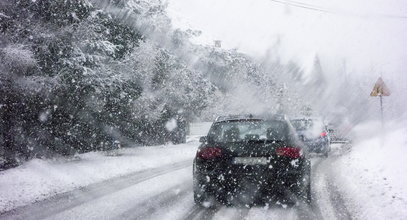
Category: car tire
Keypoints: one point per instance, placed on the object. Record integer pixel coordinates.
(309, 196)
(200, 193)
(198, 198)
(203, 198)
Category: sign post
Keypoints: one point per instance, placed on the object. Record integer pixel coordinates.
(380, 89)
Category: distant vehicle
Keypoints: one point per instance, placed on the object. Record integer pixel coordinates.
(314, 133)
(176, 129)
(338, 134)
(179, 134)
(249, 159)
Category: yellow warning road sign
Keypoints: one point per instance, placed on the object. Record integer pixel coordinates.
(380, 89)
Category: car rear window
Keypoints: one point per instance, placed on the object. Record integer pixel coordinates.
(248, 130)
(302, 124)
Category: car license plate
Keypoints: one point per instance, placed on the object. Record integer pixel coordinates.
(251, 160)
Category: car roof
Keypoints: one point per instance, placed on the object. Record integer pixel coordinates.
(249, 117)
(305, 118)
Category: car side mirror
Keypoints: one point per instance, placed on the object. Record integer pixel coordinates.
(203, 139)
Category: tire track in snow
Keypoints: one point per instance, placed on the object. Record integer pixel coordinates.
(305, 211)
(328, 191)
(337, 200)
(314, 195)
(199, 212)
(69, 200)
(193, 212)
(153, 204)
(209, 213)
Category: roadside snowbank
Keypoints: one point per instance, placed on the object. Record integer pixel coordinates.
(40, 179)
(373, 175)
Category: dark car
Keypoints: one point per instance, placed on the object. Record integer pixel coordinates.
(248, 159)
(178, 135)
(339, 134)
(314, 133)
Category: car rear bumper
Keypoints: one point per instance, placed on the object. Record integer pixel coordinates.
(318, 146)
(232, 180)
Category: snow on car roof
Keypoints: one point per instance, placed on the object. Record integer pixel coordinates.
(249, 116)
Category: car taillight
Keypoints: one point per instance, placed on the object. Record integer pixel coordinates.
(323, 134)
(209, 153)
(291, 152)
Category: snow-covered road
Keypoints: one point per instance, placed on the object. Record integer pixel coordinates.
(165, 192)
(163, 189)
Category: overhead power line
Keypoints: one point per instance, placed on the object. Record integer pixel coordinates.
(333, 11)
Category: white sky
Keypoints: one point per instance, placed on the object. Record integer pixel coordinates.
(367, 42)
